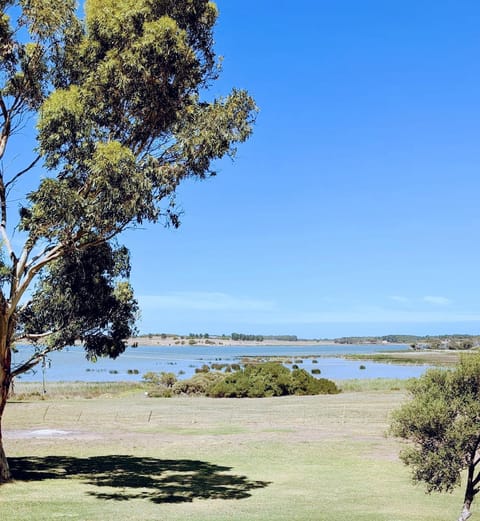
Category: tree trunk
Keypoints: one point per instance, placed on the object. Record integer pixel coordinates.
(466, 510)
(5, 381)
(4, 467)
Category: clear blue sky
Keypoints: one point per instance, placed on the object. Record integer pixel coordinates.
(354, 207)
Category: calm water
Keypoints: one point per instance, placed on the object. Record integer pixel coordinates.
(71, 365)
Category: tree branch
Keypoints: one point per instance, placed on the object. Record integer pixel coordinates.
(32, 336)
(6, 126)
(30, 274)
(32, 361)
(24, 171)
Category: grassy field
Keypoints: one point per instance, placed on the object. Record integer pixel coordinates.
(107, 453)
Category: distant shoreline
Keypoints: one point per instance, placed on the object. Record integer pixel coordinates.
(178, 341)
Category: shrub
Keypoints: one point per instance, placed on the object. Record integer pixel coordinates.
(151, 377)
(255, 381)
(304, 383)
(160, 392)
(198, 384)
(218, 367)
(161, 379)
(269, 379)
(167, 379)
(316, 371)
(362, 367)
(203, 369)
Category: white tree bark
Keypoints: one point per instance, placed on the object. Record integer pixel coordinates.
(465, 513)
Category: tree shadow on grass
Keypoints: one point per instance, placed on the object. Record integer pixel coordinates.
(130, 477)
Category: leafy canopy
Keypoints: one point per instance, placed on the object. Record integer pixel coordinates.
(442, 422)
(117, 99)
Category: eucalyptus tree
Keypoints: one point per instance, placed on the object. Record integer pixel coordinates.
(441, 422)
(116, 100)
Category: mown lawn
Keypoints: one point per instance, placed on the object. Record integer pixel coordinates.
(125, 456)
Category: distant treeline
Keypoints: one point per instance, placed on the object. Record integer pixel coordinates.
(242, 336)
(283, 338)
(418, 342)
(233, 336)
(261, 338)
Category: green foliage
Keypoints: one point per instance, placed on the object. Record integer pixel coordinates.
(160, 379)
(269, 379)
(122, 118)
(120, 123)
(84, 295)
(305, 384)
(442, 424)
(199, 384)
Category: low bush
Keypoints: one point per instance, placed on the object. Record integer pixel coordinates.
(204, 369)
(316, 371)
(304, 383)
(269, 379)
(161, 379)
(218, 367)
(198, 384)
(160, 392)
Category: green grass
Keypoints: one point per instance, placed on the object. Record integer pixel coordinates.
(372, 384)
(125, 456)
